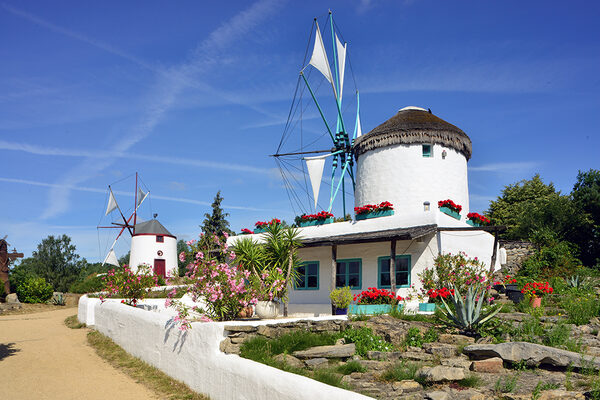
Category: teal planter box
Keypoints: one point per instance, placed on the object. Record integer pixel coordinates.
(427, 307)
(473, 223)
(450, 212)
(316, 222)
(377, 214)
(370, 309)
(260, 230)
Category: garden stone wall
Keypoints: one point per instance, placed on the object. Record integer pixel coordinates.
(516, 252)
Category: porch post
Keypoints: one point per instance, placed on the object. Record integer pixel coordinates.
(393, 267)
(493, 262)
(333, 265)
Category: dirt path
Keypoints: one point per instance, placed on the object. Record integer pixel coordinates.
(40, 358)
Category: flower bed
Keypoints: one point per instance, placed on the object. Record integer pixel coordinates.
(475, 219)
(450, 208)
(320, 218)
(367, 211)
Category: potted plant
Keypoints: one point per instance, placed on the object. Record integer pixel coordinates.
(261, 226)
(475, 219)
(367, 211)
(320, 218)
(450, 208)
(507, 284)
(435, 296)
(534, 291)
(374, 301)
(340, 300)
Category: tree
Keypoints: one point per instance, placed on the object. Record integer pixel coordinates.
(182, 265)
(586, 198)
(530, 206)
(56, 261)
(216, 222)
(124, 259)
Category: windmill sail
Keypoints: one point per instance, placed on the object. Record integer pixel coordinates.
(319, 59)
(341, 53)
(111, 258)
(112, 203)
(315, 166)
(140, 196)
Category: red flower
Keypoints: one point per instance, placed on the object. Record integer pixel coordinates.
(478, 218)
(321, 216)
(247, 231)
(369, 208)
(450, 204)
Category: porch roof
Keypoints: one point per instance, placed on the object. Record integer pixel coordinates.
(409, 233)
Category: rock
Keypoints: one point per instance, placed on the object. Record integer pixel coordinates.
(455, 339)
(373, 364)
(240, 339)
(340, 341)
(414, 349)
(409, 355)
(335, 351)
(437, 395)
(490, 365)
(441, 373)
(229, 348)
(290, 360)
(12, 299)
(458, 362)
(485, 340)
(560, 394)
(440, 349)
(407, 386)
(315, 362)
(268, 331)
(533, 354)
(471, 394)
(324, 326)
(240, 328)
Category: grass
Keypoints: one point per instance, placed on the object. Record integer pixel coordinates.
(350, 367)
(540, 387)
(73, 323)
(401, 371)
(328, 377)
(149, 376)
(471, 381)
(506, 384)
(400, 313)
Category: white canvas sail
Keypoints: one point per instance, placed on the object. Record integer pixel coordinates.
(112, 203)
(319, 59)
(140, 197)
(111, 258)
(358, 126)
(341, 53)
(315, 166)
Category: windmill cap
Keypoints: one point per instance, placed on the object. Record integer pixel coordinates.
(152, 227)
(414, 125)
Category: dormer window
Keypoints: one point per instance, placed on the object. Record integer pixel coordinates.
(160, 239)
(427, 150)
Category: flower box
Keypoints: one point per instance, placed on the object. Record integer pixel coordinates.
(473, 223)
(260, 230)
(450, 212)
(316, 222)
(427, 307)
(371, 309)
(376, 214)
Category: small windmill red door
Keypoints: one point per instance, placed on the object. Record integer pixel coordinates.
(159, 267)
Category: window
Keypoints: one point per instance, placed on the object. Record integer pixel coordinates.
(348, 273)
(427, 150)
(308, 276)
(402, 272)
(160, 239)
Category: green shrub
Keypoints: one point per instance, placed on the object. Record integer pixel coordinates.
(34, 290)
(90, 284)
(262, 350)
(2, 291)
(401, 371)
(328, 377)
(413, 337)
(365, 340)
(580, 307)
(471, 381)
(342, 297)
(350, 367)
(506, 384)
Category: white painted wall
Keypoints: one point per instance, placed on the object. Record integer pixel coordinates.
(401, 175)
(145, 248)
(194, 358)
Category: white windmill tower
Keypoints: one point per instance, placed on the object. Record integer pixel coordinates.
(151, 242)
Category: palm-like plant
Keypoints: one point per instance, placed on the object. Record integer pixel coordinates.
(468, 315)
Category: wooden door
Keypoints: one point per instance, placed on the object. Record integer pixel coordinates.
(159, 267)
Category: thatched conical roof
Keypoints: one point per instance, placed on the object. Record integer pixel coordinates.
(413, 125)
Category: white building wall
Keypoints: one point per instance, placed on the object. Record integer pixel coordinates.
(145, 248)
(401, 175)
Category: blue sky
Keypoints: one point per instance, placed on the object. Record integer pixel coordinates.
(194, 96)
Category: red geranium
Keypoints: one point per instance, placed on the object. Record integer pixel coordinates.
(263, 224)
(450, 204)
(321, 216)
(537, 289)
(441, 293)
(246, 231)
(377, 296)
(369, 208)
(475, 217)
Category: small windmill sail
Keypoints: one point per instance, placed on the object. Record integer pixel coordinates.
(112, 202)
(111, 258)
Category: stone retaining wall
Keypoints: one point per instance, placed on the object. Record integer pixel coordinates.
(516, 252)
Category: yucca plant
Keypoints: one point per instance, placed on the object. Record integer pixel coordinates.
(468, 315)
(577, 282)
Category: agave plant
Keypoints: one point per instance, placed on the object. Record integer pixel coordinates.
(58, 299)
(468, 314)
(576, 282)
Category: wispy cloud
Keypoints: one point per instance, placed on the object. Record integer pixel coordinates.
(128, 194)
(164, 93)
(506, 167)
